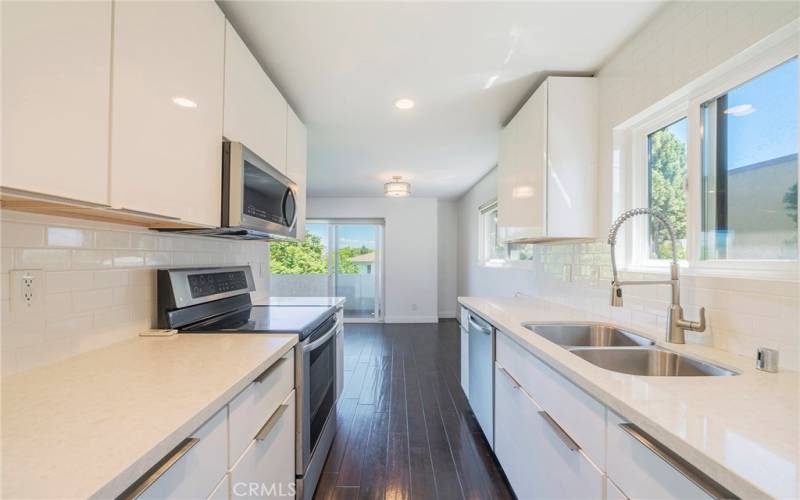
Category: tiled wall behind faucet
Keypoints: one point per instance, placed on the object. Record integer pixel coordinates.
(742, 313)
(99, 281)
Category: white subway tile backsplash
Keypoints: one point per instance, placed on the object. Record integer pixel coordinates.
(68, 281)
(100, 282)
(92, 299)
(91, 259)
(69, 237)
(22, 235)
(112, 239)
(41, 258)
(110, 279)
(128, 258)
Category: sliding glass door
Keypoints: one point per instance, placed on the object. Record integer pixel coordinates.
(342, 258)
(358, 269)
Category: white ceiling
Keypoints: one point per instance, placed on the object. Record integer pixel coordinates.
(342, 64)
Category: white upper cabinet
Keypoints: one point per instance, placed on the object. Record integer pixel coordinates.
(255, 111)
(166, 133)
(56, 83)
(547, 164)
(296, 159)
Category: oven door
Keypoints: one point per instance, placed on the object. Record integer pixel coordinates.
(256, 196)
(317, 380)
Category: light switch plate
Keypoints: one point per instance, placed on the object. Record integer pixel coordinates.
(27, 290)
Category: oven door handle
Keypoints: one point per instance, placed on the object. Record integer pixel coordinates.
(317, 343)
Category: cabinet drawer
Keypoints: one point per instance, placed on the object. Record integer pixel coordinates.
(536, 457)
(641, 473)
(582, 417)
(199, 470)
(257, 402)
(266, 469)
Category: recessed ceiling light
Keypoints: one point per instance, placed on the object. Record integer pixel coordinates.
(184, 102)
(404, 103)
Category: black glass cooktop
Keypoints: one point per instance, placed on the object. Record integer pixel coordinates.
(301, 320)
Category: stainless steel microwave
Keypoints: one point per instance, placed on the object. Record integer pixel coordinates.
(257, 199)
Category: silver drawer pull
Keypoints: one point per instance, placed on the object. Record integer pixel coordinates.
(687, 470)
(269, 424)
(158, 470)
(562, 435)
(269, 370)
(514, 382)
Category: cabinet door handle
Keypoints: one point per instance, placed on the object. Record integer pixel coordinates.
(270, 423)
(479, 327)
(514, 382)
(687, 470)
(561, 433)
(269, 370)
(158, 470)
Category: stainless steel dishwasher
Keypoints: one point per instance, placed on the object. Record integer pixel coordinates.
(481, 374)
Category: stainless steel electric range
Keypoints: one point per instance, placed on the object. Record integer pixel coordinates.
(217, 300)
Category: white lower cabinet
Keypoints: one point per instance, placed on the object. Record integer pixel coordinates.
(196, 473)
(640, 472)
(539, 460)
(266, 468)
(250, 408)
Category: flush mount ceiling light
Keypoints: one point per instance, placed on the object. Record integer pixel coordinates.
(184, 102)
(740, 110)
(404, 103)
(397, 188)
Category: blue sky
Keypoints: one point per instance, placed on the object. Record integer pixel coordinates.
(766, 127)
(770, 129)
(350, 235)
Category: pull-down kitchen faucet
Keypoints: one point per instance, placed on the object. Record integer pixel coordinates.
(676, 323)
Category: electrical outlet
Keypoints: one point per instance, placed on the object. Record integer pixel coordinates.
(413, 307)
(27, 287)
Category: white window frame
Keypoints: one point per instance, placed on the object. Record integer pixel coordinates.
(483, 244)
(771, 52)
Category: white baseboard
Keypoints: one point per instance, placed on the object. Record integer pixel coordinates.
(447, 314)
(411, 319)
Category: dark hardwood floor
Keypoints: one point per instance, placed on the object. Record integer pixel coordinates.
(405, 430)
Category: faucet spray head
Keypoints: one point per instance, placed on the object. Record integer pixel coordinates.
(616, 295)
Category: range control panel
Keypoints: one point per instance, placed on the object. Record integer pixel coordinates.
(203, 285)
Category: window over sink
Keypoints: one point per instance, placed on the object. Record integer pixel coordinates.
(719, 158)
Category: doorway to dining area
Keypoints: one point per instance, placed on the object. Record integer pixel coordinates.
(339, 257)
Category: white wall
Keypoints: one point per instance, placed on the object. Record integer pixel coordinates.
(410, 250)
(99, 281)
(685, 40)
(448, 257)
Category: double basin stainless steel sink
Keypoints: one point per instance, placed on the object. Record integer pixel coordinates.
(622, 351)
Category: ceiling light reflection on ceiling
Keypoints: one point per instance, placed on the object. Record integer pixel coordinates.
(404, 103)
(184, 102)
(740, 110)
(490, 82)
(397, 188)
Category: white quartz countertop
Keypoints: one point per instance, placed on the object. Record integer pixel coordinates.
(741, 430)
(300, 301)
(90, 425)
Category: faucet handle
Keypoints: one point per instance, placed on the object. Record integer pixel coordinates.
(699, 326)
